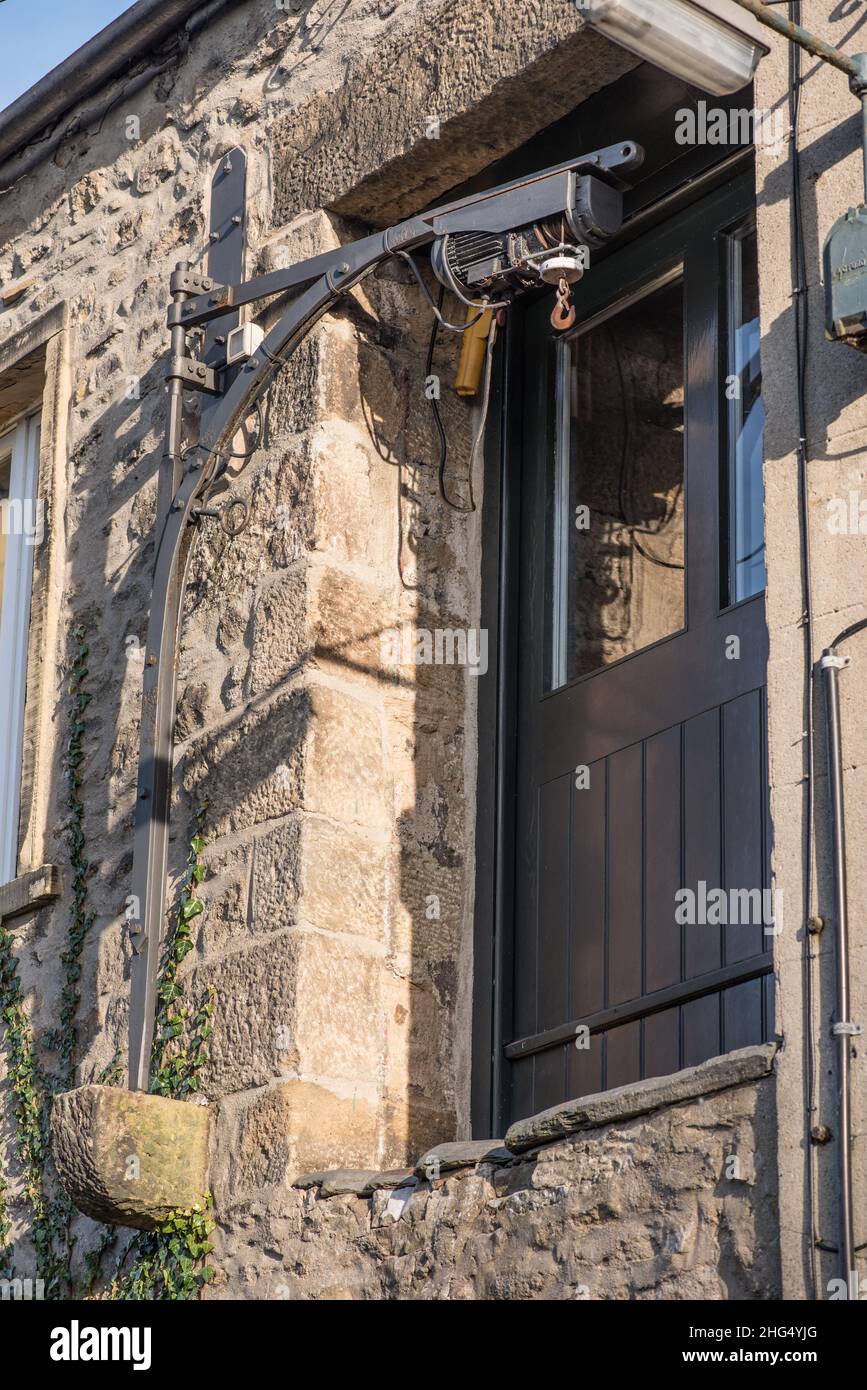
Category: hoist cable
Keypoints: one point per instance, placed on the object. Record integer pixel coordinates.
(435, 410)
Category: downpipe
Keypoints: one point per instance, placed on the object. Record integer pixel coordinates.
(843, 1029)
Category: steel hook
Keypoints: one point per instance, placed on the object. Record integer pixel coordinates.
(562, 317)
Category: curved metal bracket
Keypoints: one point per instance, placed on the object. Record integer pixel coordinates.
(176, 545)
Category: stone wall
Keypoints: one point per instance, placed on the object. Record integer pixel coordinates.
(678, 1203)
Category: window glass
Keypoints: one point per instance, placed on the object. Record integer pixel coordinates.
(744, 574)
(20, 533)
(615, 567)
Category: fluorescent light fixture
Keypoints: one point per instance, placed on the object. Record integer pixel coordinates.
(712, 44)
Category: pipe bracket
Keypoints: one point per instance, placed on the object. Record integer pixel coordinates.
(195, 375)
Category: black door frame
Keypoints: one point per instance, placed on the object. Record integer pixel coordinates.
(497, 722)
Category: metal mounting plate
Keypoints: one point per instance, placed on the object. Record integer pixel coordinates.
(227, 244)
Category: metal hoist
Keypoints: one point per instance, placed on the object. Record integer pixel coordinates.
(485, 249)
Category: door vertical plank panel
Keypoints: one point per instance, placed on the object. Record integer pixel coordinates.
(662, 1043)
(744, 858)
(624, 1055)
(742, 1007)
(526, 917)
(587, 925)
(550, 1080)
(662, 855)
(701, 1030)
(702, 863)
(702, 850)
(663, 877)
(584, 1069)
(521, 1095)
(552, 949)
(744, 869)
(625, 773)
(554, 846)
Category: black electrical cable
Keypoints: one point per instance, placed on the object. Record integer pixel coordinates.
(443, 441)
(801, 323)
(847, 633)
(401, 464)
(243, 454)
(437, 308)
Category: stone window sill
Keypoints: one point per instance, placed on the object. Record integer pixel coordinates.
(30, 891)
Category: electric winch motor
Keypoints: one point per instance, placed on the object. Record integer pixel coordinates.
(550, 251)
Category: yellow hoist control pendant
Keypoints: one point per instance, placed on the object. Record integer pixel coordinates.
(473, 350)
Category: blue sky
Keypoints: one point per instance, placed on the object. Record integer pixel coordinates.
(36, 35)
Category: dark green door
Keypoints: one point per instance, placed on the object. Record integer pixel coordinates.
(640, 760)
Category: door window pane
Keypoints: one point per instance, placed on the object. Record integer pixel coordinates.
(746, 573)
(615, 525)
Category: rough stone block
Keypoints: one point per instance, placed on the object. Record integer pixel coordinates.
(337, 1016)
(254, 999)
(251, 771)
(128, 1158)
(462, 1154)
(291, 1127)
(344, 880)
(275, 877)
(412, 1124)
(488, 77)
(354, 506)
(344, 766)
(307, 1003)
(345, 1182)
(320, 615)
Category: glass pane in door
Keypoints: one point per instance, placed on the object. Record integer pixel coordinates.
(746, 421)
(615, 578)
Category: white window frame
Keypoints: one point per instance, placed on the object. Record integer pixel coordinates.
(22, 442)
